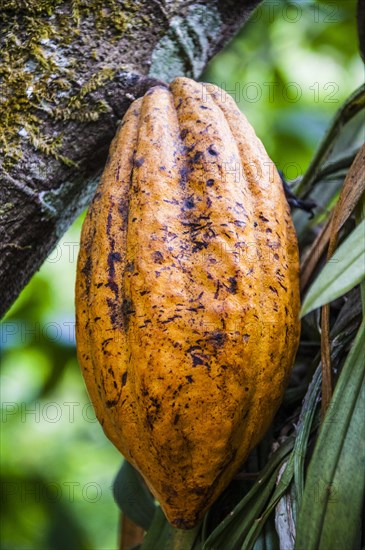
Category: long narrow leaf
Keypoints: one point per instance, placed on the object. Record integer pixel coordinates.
(160, 534)
(233, 528)
(334, 490)
(303, 432)
(296, 460)
(281, 488)
(344, 272)
(354, 104)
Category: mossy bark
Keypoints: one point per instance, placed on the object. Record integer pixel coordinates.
(69, 70)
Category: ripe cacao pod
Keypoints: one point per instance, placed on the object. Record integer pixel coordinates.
(187, 294)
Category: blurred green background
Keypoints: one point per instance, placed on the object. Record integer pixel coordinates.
(289, 69)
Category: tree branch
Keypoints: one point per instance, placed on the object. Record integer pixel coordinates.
(69, 71)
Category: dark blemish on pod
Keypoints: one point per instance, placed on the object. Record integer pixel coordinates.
(96, 197)
(211, 150)
(111, 403)
(97, 318)
(150, 419)
(273, 245)
(268, 230)
(157, 257)
(262, 218)
(112, 258)
(189, 378)
(184, 174)
(109, 222)
(99, 285)
(189, 203)
(204, 107)
(241, 207)
(255, 224)
(276, 256)
(117, 171)
(198, 491)
(124, 378)
(138, 162)
(184, 133)
(189, 148)
(224, 367)
(239, 223)
(197, 360)
(217, 338)
(199, 245)
(245, 337)
(155, 403)
(162, 168)
(176, 419)
(217, 290)
(198, 155)
(86, 270)
(273, 290)
(129, 267)
(232, 285)
(143, 292)
(105, 343)
(126, 310)
(177, 391)
(210, 182)
(170, 319)
(123, 211)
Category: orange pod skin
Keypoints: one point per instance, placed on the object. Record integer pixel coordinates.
(187, 294)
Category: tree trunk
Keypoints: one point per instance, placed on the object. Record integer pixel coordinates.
(69, 71)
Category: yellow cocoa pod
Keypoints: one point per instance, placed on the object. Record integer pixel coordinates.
(187, 294)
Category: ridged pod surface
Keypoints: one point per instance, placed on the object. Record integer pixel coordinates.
(187, 294)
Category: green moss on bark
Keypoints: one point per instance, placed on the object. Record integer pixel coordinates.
(40, 68)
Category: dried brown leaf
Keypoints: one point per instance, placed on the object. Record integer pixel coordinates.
(353, 189)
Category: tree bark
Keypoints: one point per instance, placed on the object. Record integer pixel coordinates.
(69, 71)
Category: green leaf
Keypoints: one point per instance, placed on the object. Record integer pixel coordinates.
(352, 106)
(334, 489)
(303, 432)
(268, 539)
(163, 536)
(232, 530)
(160, 534)
(280, 489)
(286, 471)
(133, 497)
(341, 274)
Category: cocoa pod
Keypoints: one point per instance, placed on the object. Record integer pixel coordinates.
(187, 294)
